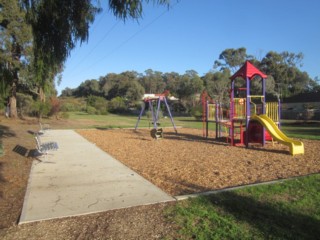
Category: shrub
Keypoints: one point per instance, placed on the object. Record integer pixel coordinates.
(41, 109)
(71, 104)
(196, 112)
(99, 103)
(117, 105)
(64, 115)
(91, 110)
(55, 106)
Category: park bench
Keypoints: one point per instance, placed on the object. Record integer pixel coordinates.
(44, 147)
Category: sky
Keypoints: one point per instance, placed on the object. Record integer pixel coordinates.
(191, 34)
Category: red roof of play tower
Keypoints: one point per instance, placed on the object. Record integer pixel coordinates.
(248, 70)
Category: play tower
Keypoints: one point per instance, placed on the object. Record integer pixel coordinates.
(251, 119)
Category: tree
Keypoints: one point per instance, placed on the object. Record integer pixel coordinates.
(218, 85)
(152, 81)
(232, 59)
(283, 67)
(58, 25)
(87, 88)
(171, 80)
(189, 88)
(15, 49)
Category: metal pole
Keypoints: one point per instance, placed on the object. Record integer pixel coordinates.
(141, 112)
(171, 118)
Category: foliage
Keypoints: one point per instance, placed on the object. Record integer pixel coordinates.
(98, 103)
(55, 106)
(56, 29)
(117, 105)
(64, 115)
(131, 85)
(24, 104)
(71, 104)
(132, 8)
(218, 85)
(15, 49)
(232, 59)
(196, 112)
(41, 109)
(91, 110)
(284, 68)
(58, 25)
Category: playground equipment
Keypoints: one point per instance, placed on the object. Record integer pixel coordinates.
(295, 147)
(251, 119)
(153, 101)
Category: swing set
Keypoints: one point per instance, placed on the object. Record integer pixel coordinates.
(153, 102)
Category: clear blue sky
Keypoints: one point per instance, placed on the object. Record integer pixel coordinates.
(191, 35)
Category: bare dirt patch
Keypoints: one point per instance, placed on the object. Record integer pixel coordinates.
(186, 163)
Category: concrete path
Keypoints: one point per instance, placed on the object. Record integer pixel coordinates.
(80, 179)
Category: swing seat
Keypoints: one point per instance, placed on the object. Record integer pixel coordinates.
(156, 133)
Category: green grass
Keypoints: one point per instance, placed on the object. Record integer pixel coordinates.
(287, 210)
(292, 129)
(303, 130)
(129, 121)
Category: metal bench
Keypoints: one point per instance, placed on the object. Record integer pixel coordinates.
(44, 148)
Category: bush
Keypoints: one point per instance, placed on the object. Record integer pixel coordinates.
(196, 112)
(91, 110)
(41, 109)
(71, 104)
(64, 115)
(99, 103)
(117, 105)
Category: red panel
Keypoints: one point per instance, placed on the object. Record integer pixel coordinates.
(248, 70)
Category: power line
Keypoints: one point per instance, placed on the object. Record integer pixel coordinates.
(100, 41)
(130, 38)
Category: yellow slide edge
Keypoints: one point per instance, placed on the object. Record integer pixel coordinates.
(295, 146)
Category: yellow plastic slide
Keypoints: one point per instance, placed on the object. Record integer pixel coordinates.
(296, 147)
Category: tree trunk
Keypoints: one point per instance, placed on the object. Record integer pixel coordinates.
(13, 107)
(13, 113)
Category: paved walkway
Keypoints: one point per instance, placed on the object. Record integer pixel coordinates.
(80, 179)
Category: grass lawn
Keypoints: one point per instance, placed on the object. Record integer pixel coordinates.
(286, 210)
(292, 129)
(129, 121)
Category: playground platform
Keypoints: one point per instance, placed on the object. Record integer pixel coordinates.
(79, 178)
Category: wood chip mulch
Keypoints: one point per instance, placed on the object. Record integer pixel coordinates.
(186, 163)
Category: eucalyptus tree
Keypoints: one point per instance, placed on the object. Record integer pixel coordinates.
(152, 81)
(284, 68)
(171, 80)
(218, 84)
(189, 89)
(57, 25)
(15, 49)
(232, 59)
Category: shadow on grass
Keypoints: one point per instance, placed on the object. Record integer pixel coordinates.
(5, 132)
(271, 219)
